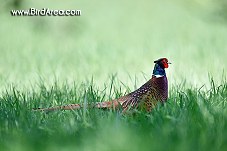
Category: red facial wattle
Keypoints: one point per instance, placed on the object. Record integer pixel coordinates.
(165, 63)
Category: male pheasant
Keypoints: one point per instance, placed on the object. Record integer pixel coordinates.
(147, 96)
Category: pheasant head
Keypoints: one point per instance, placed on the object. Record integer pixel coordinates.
(159, 68)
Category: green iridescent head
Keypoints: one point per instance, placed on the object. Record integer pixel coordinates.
(160, 65)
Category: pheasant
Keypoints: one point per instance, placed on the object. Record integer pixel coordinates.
(147, 96)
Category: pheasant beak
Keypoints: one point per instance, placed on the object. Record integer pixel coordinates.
(169, 62)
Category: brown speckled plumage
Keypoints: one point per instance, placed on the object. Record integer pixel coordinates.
(156, 89)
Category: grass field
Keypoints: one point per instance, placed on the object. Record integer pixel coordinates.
(106, 52)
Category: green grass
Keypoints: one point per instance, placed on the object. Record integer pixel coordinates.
(192, 119)
(48, 61)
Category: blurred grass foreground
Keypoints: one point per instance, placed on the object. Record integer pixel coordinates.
(47, 61)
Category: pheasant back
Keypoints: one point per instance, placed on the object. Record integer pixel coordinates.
(147, 96)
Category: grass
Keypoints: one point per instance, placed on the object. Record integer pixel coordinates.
(192, 118)
(48, 61)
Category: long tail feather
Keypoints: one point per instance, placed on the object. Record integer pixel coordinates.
(65, 107)
(101, 105)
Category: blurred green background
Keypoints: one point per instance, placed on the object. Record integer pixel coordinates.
(122, 37)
